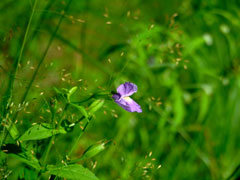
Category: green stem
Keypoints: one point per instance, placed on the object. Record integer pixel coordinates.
(98, 94)
(236, 170)
(53, 137)
(12, 76)
(48, 150)
(77, 140)
(8, 94)
(45, 52)
(2, 139)
(43, 57)
(26, 34)
(112, 77)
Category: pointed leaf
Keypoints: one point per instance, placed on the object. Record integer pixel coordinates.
(93, 150)
(21, 154)
(71, 92)
(27, 174)
(12, 129)
(81, 109)
(41, 131)
(95, 106)
(73, 171)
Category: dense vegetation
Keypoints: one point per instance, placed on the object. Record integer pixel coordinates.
(61, 60)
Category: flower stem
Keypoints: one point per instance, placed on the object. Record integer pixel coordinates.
(78, 138)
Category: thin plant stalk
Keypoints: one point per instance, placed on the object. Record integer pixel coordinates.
(53, 137)
(43, 56)
(45, 52)
(12, 75)
(8, 94)
(78, 138)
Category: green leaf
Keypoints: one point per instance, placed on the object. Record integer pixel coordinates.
(12, 129)
(68, 126)
(57, 90)
(23, 155)
(71, 92)
(61, 94)
(62, 91)
(27, 174)
(81, 109)
(28, 159)
(96, 105)
(73, 171)
(41, 131)
(93, 150)
(178, 106)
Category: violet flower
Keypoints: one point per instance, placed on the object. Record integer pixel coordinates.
(122, 97)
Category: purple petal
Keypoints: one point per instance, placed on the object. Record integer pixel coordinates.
(127, 89)
(129, 105)
(116, 96)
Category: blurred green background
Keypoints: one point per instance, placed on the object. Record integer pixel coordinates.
(183, 56)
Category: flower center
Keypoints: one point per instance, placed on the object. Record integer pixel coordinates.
(128, 99)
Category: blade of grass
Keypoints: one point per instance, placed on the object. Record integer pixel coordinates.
(8, 95)
(45, 52)
(37, 69)
(40, 21)
(41, 60)
(78, 138)
(43, 16)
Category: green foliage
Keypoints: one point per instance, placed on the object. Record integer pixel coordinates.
(60, 62)
(75, 171)
(93, 150)
(95, 106)
(81, 109)
(26, 173)
(11, 127)
(21, 154)
(41, 131)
